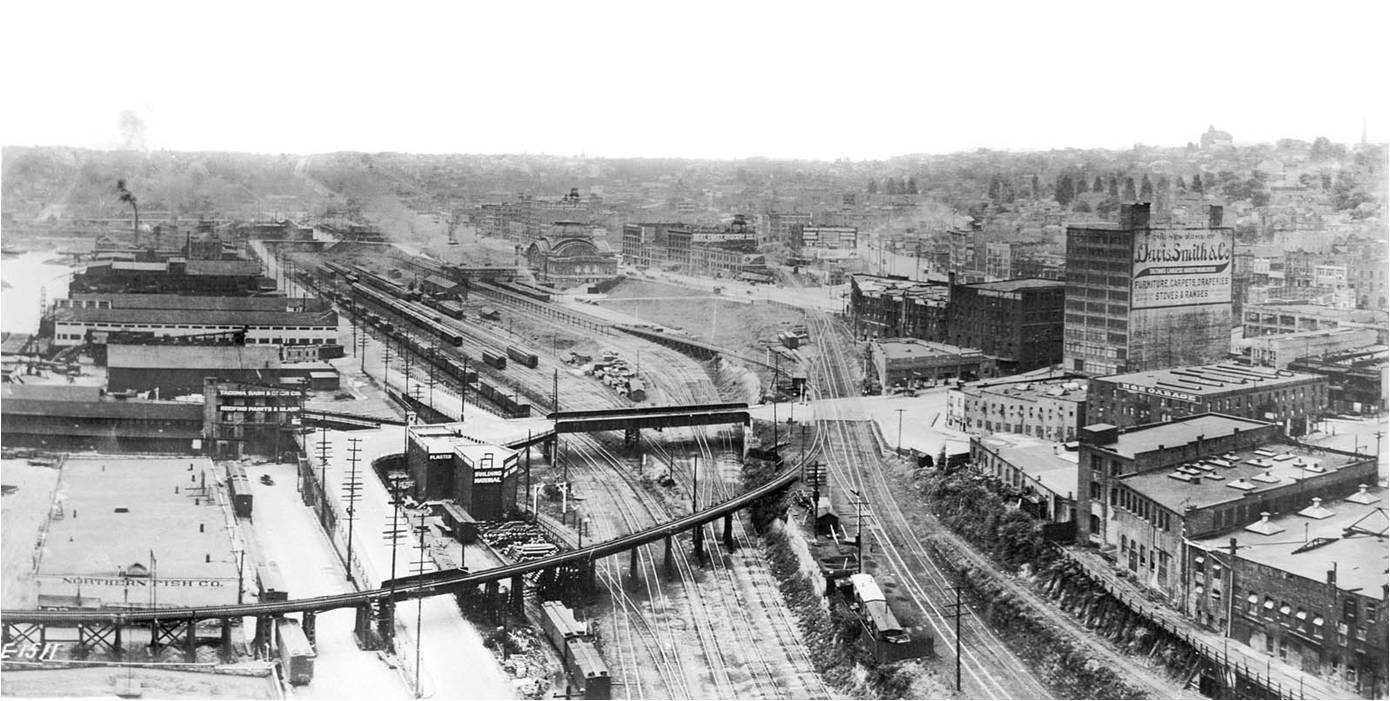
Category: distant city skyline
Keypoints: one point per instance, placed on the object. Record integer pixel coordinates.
(773, 80)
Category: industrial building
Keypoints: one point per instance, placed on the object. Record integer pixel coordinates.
(912, 362)
(170, 370)
(75, 417)
(1291, 399)
(74, 327)
(884, 307)
(1307, 585)
(1143, 493)
(446, 464)
(1141, 297)
(1278, 350)
(1042, 471)
(1263, 319)
(1019, 322)
(1041, 404)
(242, 418)
(1358, 379)
(175, 276)
(120, 300)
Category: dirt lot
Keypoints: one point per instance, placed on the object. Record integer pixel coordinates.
(23, 513)
(737, 325)
(100, 682)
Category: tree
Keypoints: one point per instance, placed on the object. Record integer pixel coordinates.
(1082, 207)
(1097, 186)
(1064, 194)
(1197, 183)
(994, 188)
(1163, 184)
(1037, 189)
(1114, 187)
(1182, 184)
(890, 186)
(873, 186)
(1321, 150)
(1130, 195)
(911, 186)
(1146, 189)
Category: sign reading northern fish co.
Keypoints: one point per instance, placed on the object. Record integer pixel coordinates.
(1181, 267)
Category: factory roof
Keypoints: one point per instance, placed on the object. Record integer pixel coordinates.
(1038, 385)
(1198, 381)
(1350, 532)
(88, 403)
(222, 357)
(908, 348)
(168, 301)
(1179, 432)
(1018, 284)
(1049, 463)
(198, 317)
(1225, 477)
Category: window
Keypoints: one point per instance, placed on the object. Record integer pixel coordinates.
(1349, 610)
(1370, 612)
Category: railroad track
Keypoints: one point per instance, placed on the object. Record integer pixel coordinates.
(986, 660)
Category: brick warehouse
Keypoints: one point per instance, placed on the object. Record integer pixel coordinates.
(1145, 491)
(1017, 321)
(1141, 297)
(1292, 399)
(1308, 586)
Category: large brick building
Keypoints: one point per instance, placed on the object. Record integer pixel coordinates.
(1308, 585)
(883, 307)
(1292, 399)
(1019, 322)
(1142, 297)
(1043, 405)
(1147, 491)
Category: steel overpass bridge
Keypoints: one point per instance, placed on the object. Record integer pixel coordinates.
(99, 629)
(632, 421)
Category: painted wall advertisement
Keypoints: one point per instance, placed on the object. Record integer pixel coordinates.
(1180, 267)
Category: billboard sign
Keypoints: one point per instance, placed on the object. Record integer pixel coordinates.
(1181, 267)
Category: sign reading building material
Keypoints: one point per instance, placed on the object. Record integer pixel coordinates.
(1181, 267)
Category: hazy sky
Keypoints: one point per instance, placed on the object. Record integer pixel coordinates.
(696, 79)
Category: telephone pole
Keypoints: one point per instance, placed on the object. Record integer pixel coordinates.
(900, 431)
(352, 488)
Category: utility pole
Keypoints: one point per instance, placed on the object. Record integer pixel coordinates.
(353, 490)
(556, 401)
(386, 371)
(694, 485)
(900, 431)
(859, 502)
(362, 352)
(323, 464)
(419, 601)
(957, 588)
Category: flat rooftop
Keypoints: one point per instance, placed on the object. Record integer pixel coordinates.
(1179, 432)
(908, 348)
(224, 357)
(1018, 284)
(1220, 478)
(1284, 544)
(1201, 380)
(121, 300)
(198, 317)
(1052, 466)
(1070, 389)
(90, 543)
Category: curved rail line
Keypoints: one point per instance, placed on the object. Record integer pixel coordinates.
(412, 587)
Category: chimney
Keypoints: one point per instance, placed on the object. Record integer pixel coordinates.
(1214, 213)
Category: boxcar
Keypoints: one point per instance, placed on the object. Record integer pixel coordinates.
(489, 314)
(270, 582)
(240, 489)
(296, 654)
(497, 361)
(874, 607)
(560, 625)
(462, 526)
(522, 357)
(587, 669)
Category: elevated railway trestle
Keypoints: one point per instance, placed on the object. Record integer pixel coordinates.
(94, 630)
(632, 421)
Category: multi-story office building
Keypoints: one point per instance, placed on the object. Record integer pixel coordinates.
(1262, 319)
(1046, 406)
(1141, 297)
(883, 307)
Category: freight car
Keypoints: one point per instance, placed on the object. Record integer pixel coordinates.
(560, 625)
(574, 642)
(270, 583)
(511, 406)
(489, 314)
(587, 669)
(522, 357)
(295, 653)
(497, 362)
(240, 489)
(874, 607)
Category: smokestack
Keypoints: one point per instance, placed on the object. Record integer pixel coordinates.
(128, 198)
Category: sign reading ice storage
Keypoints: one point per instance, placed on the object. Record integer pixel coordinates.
(1179, 267)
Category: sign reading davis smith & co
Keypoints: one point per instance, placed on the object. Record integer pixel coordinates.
(1181, 267)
